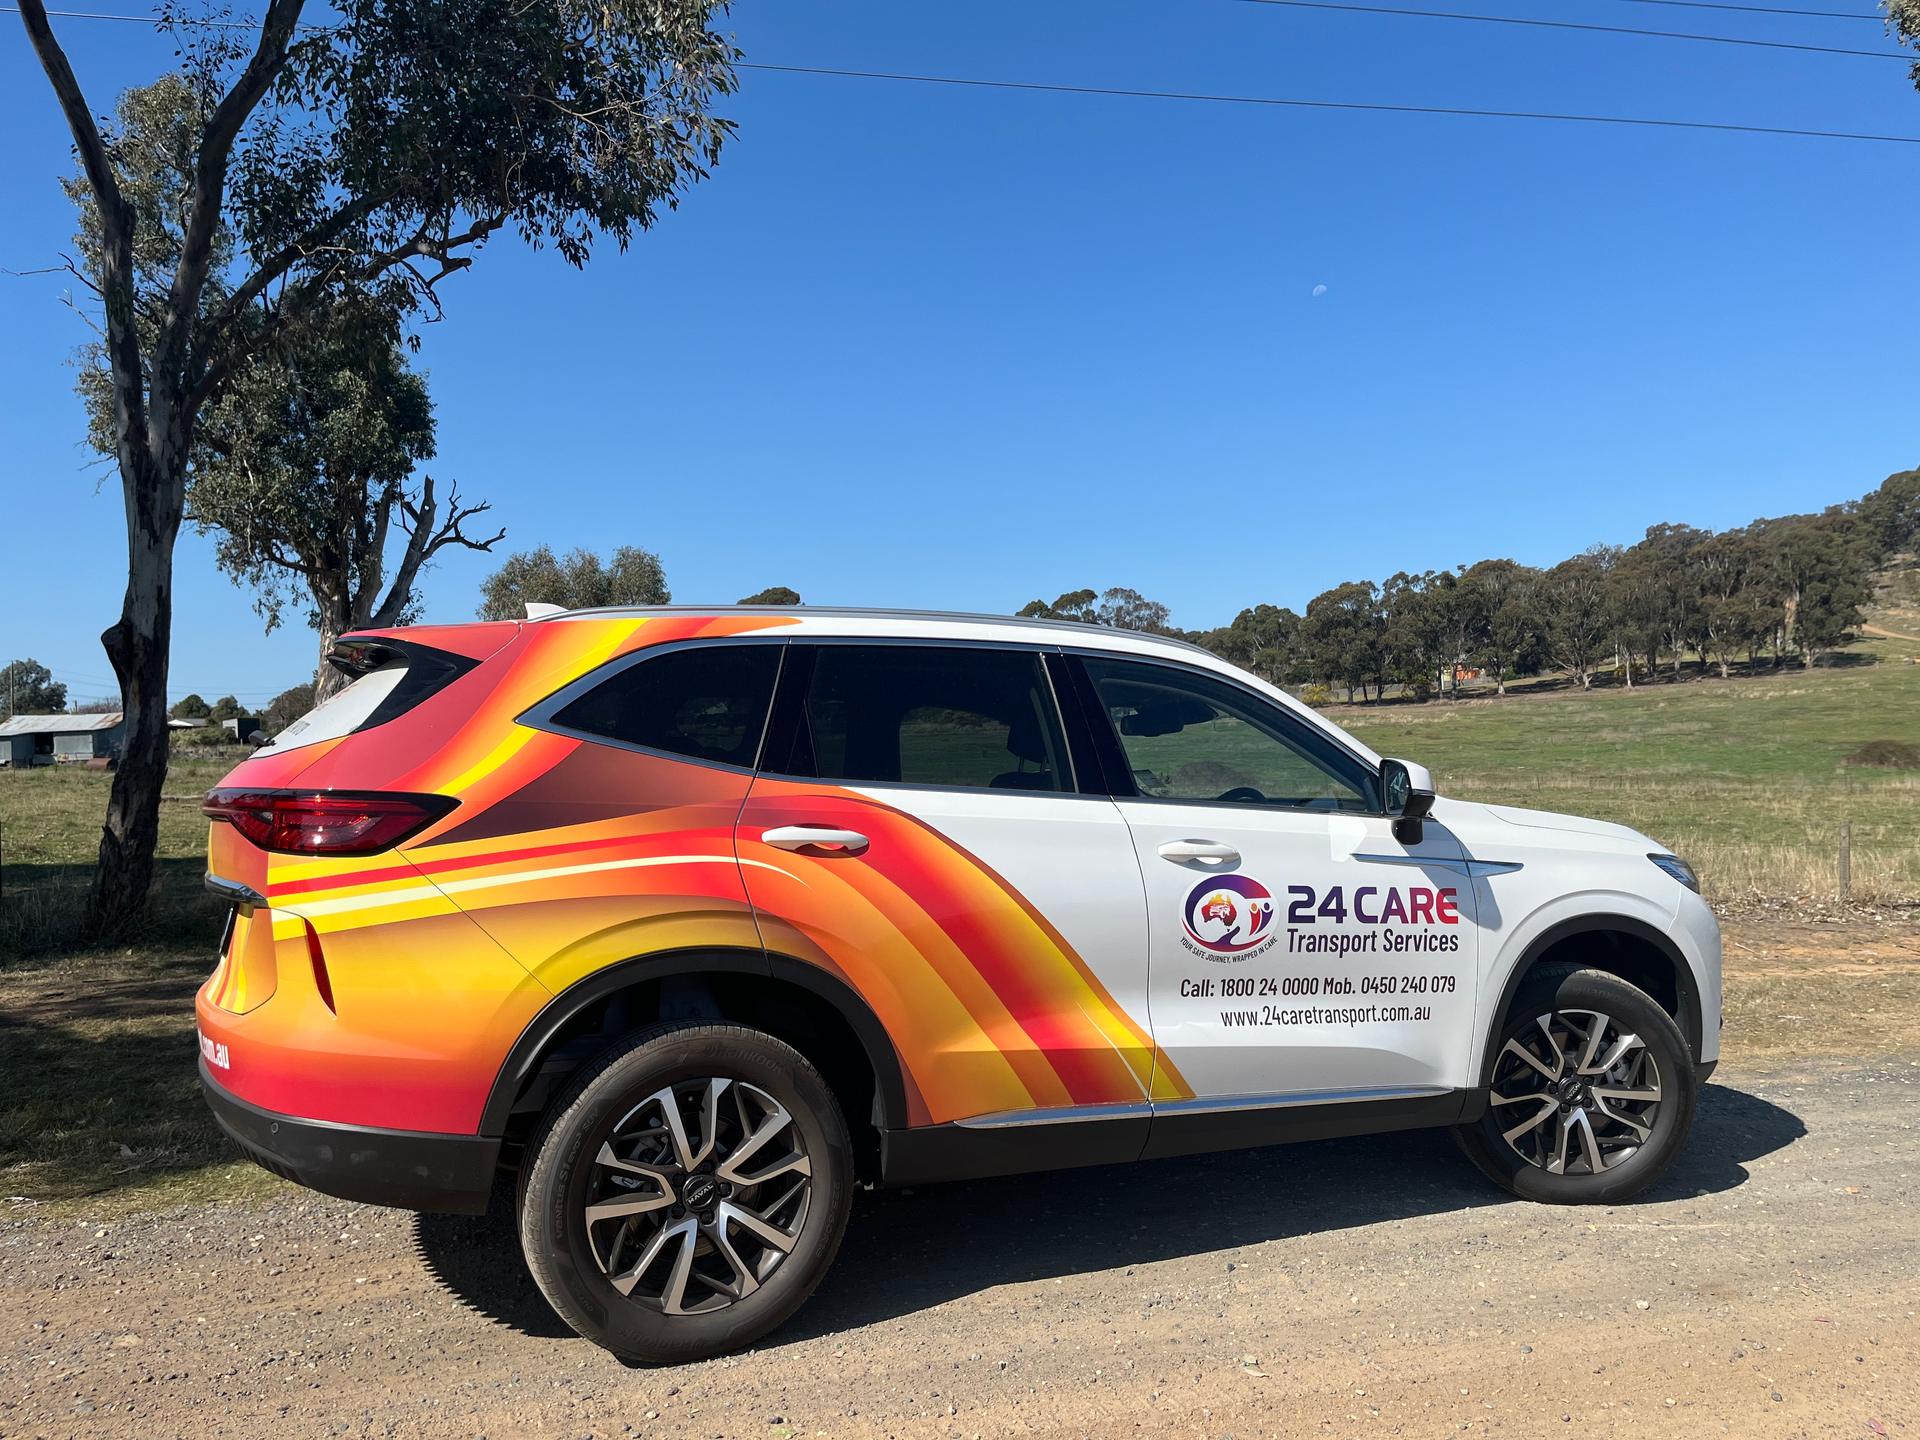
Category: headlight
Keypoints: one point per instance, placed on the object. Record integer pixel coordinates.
(1679, 870)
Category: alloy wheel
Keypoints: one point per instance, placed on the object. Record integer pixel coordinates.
(1580, 1091)
(698, 1195)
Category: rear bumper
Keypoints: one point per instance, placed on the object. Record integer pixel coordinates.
(407, 1169)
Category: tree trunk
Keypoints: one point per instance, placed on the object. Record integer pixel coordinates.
(336, 619)
(138, 648)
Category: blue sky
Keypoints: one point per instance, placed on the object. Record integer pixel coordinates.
(924, 346)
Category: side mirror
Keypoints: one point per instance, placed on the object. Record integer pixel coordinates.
(1408, 791)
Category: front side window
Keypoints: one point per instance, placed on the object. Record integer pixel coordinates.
(946, 715)
(1188, 736)
(706, 702)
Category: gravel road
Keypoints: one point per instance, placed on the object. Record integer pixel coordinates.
(1348, 1288)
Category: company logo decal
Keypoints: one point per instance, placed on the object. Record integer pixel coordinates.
(1230, 917)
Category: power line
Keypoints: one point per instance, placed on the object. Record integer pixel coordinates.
(1763, 9)
(150, 20)
(1294, 104)
(1332, 104)
(1574, 25)
(1319, 5)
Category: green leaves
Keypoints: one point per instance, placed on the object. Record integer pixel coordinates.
(577, 581)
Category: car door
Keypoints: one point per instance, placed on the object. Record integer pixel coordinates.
(915, 829)
(1299, 952)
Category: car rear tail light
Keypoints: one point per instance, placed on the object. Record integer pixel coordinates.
(326, 822)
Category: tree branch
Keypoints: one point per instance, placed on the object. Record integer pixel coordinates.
(291, 254)
(209, 192)
(439, 250)
(116, 233)
(424, 539)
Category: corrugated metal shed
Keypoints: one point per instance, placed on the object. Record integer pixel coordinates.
(59, 724)
(60, 739)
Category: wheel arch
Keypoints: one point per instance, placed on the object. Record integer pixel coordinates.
(739, 985)
(1639, 953)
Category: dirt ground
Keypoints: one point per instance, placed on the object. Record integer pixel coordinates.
(1348, 1288)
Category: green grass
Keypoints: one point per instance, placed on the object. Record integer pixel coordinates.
(1743, 777)
(49, 835)
(102, 1112)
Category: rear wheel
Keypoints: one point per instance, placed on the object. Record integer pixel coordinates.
(687, 1192)
(1592, 1093)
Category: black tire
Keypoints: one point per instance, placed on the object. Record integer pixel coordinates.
(564, 1173)
(1552, 1018)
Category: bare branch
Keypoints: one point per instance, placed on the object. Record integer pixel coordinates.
(424, 538)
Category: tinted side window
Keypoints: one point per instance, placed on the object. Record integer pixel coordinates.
(707, 702)
(929, 715)
(1188, 736)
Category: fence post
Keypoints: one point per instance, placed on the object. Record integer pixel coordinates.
(1846, 863)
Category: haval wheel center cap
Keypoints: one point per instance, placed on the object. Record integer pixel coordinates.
(699, 1192)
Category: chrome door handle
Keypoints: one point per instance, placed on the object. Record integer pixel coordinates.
(798, 837)
(1180, 851)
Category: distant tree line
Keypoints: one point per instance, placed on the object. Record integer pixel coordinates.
(581, 580)
(1774, 592)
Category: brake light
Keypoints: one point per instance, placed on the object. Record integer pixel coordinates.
(326, 822)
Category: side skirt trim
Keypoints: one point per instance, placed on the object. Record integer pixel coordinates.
(1206, 1105)
(969, 1150)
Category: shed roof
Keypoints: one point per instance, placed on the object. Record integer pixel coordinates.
(59, 724)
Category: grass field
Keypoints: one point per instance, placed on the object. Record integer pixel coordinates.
(1743, 777)
(50, 833)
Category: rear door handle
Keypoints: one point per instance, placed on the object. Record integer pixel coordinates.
(798, 837)
(1180, 851)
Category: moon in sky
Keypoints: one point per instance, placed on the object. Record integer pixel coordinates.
(1318, 291)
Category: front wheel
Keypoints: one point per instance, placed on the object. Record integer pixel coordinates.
(686, 1193)
(1592, 1093)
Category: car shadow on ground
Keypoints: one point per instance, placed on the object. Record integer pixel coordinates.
(907, 1250)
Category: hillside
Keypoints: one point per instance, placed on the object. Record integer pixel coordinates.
(1743, 777)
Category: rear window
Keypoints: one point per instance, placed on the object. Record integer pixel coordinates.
(390, 679)
(948, 716)
(706, 702)
(344, 713)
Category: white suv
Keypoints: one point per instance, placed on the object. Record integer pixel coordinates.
(696, 918)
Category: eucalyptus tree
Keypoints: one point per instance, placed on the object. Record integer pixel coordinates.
(578, 580)
(1506, 598)
(1575, 619)
(1725, 566)
(28, 688)
(1118, 609)
(371, 155)
(1341, 634)
(304, 470)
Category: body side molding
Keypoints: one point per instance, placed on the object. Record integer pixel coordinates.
(1473, 869)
